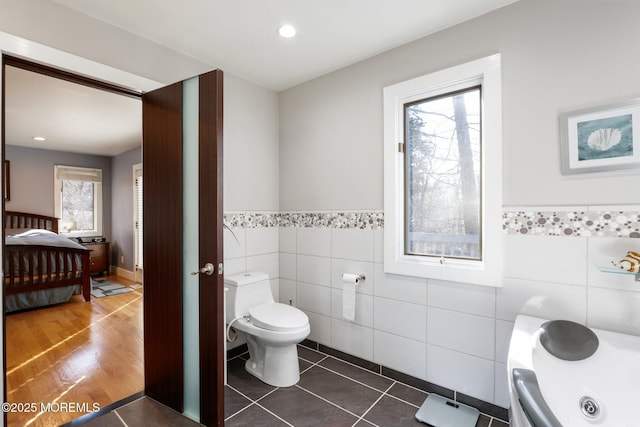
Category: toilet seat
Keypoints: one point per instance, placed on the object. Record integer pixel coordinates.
(278, 317)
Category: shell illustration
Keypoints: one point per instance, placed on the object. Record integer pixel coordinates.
(629, 263)
(603, 139)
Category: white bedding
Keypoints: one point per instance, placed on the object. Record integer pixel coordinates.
(43, 238)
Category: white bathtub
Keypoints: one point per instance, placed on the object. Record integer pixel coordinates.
(609, 379)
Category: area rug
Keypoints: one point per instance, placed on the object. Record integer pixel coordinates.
(104, 288)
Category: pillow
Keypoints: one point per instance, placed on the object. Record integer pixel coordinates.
(14, 231)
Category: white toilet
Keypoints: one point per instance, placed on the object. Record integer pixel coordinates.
(272, 330)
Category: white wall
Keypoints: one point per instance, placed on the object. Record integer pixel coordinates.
(251, 180)
(557, 56)
(250, 146)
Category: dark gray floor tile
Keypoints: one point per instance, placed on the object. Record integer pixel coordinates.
(233, 402)
(244, 382)
(303, 409)
(106, 420)
(148, 412)
(483, 421)
(254, 416)
(304, 365)
(310, 355)
(498, 423)
(347, 394)
(408, 394)
(359, 374)
(364, 423)
(391, 412)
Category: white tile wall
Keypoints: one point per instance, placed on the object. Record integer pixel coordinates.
(262, 240)
(550, 259)
(614, 310)
(541, 299)
(503, 337)
(480, 300)
(288, 269)
(313, 269)
(411, 360)
(288, 292)
(452, 334)
(268, 263)
(313, 241)
(320, 328)
(352, 338)
(400, 318)
(402, 288)
(462, 372)
(466, 333)
(352, 244)
(287, 239)
(501, 385)
(314, 298)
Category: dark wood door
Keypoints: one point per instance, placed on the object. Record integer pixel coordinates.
(162, 244)
(210, 249)
(163, 248)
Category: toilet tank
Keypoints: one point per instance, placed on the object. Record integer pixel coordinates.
(245, 291)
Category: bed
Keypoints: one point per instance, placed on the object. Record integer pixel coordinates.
(40, 266)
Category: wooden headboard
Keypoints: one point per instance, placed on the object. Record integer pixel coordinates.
(27, 220)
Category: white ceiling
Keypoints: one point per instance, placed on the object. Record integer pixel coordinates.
(72, 117)
(238, 36)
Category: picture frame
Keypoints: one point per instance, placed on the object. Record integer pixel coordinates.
(601, 139)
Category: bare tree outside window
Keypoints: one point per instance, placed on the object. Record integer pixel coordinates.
(78, 200)
(442, 181)
(78, 205)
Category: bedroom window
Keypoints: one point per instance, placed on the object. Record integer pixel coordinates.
(78, 200)
(443, 181)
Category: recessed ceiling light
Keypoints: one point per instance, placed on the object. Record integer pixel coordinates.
(287, 31)
(38, 138)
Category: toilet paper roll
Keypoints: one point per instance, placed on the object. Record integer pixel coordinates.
(349, 295)
(351, 278)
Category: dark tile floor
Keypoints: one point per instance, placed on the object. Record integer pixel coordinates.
(330, 392)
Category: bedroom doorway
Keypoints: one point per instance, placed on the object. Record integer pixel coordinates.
(164, 381)
(68, 352)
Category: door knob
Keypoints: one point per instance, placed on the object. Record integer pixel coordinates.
(207, 269)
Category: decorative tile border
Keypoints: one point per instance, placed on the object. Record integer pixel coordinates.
(577, 223)
(573, 223)
(353, 220)
(251, 219)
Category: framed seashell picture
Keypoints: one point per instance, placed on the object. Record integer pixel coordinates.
(601, 139)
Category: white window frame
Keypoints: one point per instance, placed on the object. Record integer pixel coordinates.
(92, 174)
(487, 271)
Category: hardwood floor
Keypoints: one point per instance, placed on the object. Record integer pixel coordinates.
(74, 357)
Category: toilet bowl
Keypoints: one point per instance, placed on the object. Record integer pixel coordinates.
(272, 330)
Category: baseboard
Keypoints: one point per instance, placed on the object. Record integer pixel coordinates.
(125, 274)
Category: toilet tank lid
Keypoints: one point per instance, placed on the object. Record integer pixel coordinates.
(245, 278)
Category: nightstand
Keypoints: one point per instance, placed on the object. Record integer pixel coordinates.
(99, 257)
